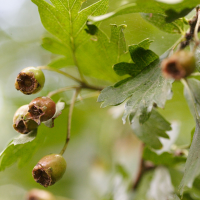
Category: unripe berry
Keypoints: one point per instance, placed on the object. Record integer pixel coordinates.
(30, 80)
(49, 169)
(180, 65)
(42, 109)
(36, 194)
(22, 122)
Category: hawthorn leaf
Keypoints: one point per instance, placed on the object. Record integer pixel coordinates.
(192, 166)
(166, 158)
(103, 53)
(149, 87)
(20, 149)
(59, 107)
(171, 11)
(93, 53)
(24, 138)
(61, 62)
(141, 57)
(150, 131)
(158, 20)
(66, 21)
(55, 46)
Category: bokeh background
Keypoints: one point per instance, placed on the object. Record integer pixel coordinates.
(103, 154)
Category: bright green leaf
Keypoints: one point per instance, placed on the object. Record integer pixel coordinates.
(68, 24)
(61, 62)
(102, 53)
(149, 132)
(147, 88)
(171, 11)
(55, 46)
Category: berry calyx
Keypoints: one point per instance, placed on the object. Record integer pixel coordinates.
(180, 65)
(42, 109)
(49, 169)
(22, 122)
(30, 80)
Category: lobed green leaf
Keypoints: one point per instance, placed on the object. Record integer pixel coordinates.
(149, 87)
(149, 132)
(159, 20)
(170, 11)
(20, 149)
(141, 57)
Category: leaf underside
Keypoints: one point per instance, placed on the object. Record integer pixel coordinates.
(143, 91)
(149, 132)
(192, 166)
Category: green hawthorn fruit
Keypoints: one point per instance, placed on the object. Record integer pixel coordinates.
(42, 109)
(180, 65)
(36, 194)
(30, 80)
(22, 122)
(49, 169)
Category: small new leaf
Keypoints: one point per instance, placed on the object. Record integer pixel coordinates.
(151, 130)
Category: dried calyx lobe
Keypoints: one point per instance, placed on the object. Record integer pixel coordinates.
(22, 122)
(30, 80)
(49, 169)
(42, 109)
(180, 65)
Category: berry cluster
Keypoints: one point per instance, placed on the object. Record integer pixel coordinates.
(28, 117)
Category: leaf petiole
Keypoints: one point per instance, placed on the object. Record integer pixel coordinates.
(60, 72)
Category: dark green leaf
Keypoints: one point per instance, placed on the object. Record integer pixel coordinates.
(141, 57)
(159, 21)
(166, 158)
(147, 88)
(151, 130)
(59, 107)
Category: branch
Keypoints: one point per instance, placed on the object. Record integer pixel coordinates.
(70, 119)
